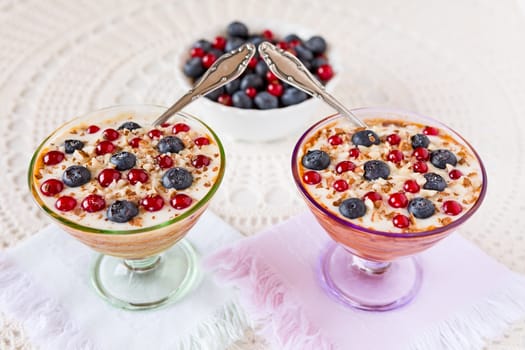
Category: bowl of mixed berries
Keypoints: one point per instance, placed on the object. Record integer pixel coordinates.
(250, 107)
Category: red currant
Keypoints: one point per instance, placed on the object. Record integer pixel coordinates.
(104, 147)
(452, 208)
(271, 78)
(200, 161)
(401, 221)
(430, 130)
(398, 200)
(282, 45)
(107, 176)
(208, 59)
(275, 89)
(340, 185)
(311, 177)
(335, 140)
(411, 186)
(152, 203)
(455, 174)
(219, 43)
(197, 52)
(154, 134)
(180, 127)
(252, 63)
(164, 161)
(344, 166)
(92, 129)
(225, 99)
(201, 141)
(165, 125)
(66, 203)
(421, 153)
(110, 134)
(53, 157)
(420, 167)
(135, 142)
(354, 152)
(294, 43)
(93, 203)
(267, 34)
(251, 92)
(393, 139)
(51, 187)
(137, 175)
(181, 201)
(325, 72)
(373, 196)
(395, 156)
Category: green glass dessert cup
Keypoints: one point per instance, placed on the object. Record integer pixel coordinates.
(139, 267)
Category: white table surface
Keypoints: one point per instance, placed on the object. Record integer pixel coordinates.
(460, 61)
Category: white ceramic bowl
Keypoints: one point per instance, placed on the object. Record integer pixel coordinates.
(255, 125)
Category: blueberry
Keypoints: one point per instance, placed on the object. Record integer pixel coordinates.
(233, 43)
(306, 64)
(177, 178)
(292, 96)
(193, 67)
(171, 144)
(252, 80)
(375, 169)
(291, 37)
(232, 86)
(129, 125)
(420, 140)
(241, 100)
(76, 175)
(216, 52)
(318, 61)
(303, 53)
(441, 157)
(203, 44)
(421, 208)
(434, 182)
(122, 211)
(72, 145)
(261, 68)
(123, 160)
(237, 29)
(265, 100)
(365, 138)
(316, 160)
(256, 40)
(214, 95)
(352, 208)
(316, 44)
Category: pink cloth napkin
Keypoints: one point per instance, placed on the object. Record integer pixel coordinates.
(465, 297)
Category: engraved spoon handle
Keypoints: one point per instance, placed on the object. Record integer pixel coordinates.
(289, 69)
(225, 69)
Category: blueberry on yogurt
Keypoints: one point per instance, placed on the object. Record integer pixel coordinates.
(316, 160)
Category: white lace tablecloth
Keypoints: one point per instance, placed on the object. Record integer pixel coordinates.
(459, 61)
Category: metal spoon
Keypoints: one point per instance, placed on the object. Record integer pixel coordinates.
(289, 69)
(228, 67)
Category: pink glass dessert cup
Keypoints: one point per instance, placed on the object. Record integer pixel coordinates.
(368, 269)
(143, 267)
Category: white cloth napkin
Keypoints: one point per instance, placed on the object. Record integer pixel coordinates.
(45, 283)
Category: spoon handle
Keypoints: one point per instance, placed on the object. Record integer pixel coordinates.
(226, 68)
(289, 69)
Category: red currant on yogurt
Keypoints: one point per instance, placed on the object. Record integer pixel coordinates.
(401, 221)
(181, 201)
(354, 152)
(420, 167)
(455, 174)
(92, 129)
(430, 130)
(344, 166)
(164, 161)
(53, 157)
(110, 134)
(135, 142)
(107, 176)
(311, 177)
(393, 139)
(201, 141)
(104, 147)
(51, 187)
(421, 153)
(152, 203)
(154, 134)
(411, 186)
(452, 207)
(66, 203)
(395, 156)
(340, 185)
(373, 196)
(398, 200)
(200, 161)
(93, 203)
(180, 127)
(137, 175)
(335, 140)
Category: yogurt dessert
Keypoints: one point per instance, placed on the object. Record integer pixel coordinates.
(120, 173)
(397, 176)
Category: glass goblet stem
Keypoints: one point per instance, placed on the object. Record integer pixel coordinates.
(143, 265)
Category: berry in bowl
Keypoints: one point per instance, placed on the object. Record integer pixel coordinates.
(131, 192)
(383, 194)
(249, 107)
